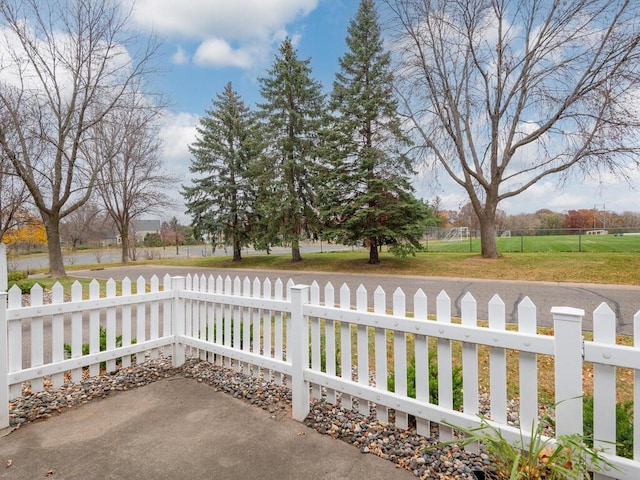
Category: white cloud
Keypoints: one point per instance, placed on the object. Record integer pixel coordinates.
(216, 52)
(177, 132)
(236, 33)
(545, 194)
(238, 19)
(180, 57)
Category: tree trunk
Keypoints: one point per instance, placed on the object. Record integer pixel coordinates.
(237, 250)
(374, 259)
(295, 251)
(124, 236)
(488, 236)
(52, 227)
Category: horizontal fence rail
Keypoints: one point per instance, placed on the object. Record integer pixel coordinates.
(330, 344)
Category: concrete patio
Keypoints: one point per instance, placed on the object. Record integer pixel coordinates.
(179, 428)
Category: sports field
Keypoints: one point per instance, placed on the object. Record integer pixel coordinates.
(624, 243)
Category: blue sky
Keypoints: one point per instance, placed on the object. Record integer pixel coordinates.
(207, 43)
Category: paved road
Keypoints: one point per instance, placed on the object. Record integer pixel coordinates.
(624, 300)
(113, 255)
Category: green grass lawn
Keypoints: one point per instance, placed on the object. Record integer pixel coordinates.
(551, 243)
(598, 262)
(588, 267)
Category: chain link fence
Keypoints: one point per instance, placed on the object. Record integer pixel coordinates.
(465, 239)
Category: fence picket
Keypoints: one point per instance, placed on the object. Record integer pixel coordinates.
(37, 337)
(256, 324)
(202, 316)
(362, 348)
(497, 364)
(94, 327)
(141, 318)
(227, 321)
(266, 325)
(14, 339)
(445, 370)
(76, 330)
(604, 384)
(400, 356)
(345, 345)
(154, 316)
(126, 327)
(278, 329)
(111, 324)
(237, 320)
(380, 347)
(210, 313)
(193, 315)
(166, 309)
(316, 360)
(246, 324)
(57, 333)
(528, 366)
(188, 316)
(423, 426)
(469, 310)
(330, 340)
(219, 333)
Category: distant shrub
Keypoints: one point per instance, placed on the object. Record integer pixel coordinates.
(24, 285)
(16, 276)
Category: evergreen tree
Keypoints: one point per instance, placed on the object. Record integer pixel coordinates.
(292, 115)
(367, 195)
(222, 197)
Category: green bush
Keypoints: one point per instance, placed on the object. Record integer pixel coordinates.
(103, 345)
(24, 285)
(433, 381)
(624, 425)
(16, 276)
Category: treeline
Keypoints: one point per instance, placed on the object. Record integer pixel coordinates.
(543, 221)
(305, 165)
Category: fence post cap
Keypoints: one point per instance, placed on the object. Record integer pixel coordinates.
(567, 312)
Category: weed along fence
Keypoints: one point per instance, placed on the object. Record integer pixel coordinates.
(322, 341)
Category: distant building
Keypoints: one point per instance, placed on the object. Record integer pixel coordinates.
(138, 229)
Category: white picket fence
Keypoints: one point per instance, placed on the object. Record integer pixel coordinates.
(283, 332)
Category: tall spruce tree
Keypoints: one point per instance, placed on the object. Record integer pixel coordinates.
(367, 195)
(292, 115)
(221, 200)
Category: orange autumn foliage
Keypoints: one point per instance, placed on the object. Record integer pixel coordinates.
(30, 231)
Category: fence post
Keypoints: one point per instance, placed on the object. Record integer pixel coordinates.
(178, 284)
(4, 342)
(298, 345)
(4, 363)
(567, 324)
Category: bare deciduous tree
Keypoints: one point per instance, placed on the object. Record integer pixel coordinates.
(82, 225)
(66, 65)
(133, 181)
(503, 93)
(13, 196)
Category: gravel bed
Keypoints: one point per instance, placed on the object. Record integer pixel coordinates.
(404, 447)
